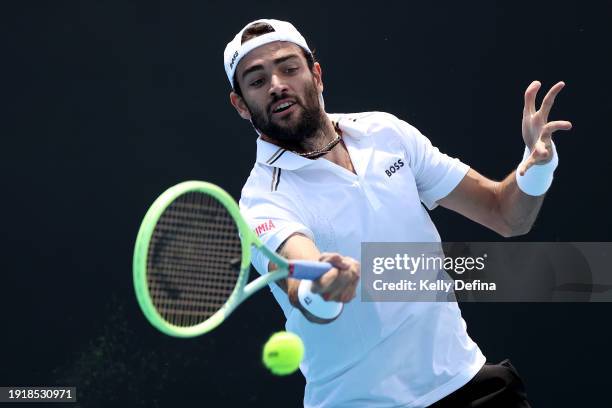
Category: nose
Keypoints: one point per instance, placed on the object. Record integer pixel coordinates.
(277, 86)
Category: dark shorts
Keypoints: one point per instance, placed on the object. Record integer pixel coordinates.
(494, 386)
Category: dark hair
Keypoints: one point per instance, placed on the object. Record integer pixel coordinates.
(257, 29)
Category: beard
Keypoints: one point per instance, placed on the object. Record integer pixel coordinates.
(308, 123)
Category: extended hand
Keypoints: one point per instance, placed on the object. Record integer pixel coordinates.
(340, 282)
(537, 131)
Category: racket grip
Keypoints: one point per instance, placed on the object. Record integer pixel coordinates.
(310, 270)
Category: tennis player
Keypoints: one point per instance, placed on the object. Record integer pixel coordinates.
(324, 183)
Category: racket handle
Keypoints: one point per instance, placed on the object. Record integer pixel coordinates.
(325, 311)
(310, 270)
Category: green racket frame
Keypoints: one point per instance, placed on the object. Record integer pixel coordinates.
(240, 292)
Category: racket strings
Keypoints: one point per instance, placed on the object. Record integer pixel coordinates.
(189, 264)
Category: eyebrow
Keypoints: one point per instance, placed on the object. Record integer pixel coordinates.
(260, 67)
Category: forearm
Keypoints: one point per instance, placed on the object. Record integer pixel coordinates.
(499, 205)
(337, 284)
(520, 197)
(517, 209)
(296, 246)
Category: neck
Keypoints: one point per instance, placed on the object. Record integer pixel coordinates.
(338, 154)
(322, 137)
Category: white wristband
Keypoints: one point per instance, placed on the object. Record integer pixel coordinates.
(315, 304)
(539, 177)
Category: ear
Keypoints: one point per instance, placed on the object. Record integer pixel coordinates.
(238, 103)
(317, 73)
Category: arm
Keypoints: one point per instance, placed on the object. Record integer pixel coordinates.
(498, 205)
(338, 284)
(288, 235)
(503, 206)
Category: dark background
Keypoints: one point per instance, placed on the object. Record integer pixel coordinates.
(106, 104)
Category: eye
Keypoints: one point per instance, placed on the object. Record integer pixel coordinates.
(291, 70)
(256, 83)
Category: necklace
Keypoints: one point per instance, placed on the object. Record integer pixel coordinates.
(315, 154)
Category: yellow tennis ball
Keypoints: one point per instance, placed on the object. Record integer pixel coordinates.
(283, 353)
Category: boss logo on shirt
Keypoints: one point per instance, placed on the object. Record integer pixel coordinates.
(395, 167)
(265, 227)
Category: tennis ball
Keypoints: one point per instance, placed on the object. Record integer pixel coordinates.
(283, 353)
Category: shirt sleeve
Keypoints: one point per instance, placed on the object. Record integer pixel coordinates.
(436, 174)
(273, 217)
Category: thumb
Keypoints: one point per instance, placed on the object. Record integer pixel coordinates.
(524, 166)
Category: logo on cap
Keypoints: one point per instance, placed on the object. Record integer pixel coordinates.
(233, 59)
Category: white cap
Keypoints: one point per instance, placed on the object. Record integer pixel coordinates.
(235, 50)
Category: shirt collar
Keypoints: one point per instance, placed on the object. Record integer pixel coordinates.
(270, 154)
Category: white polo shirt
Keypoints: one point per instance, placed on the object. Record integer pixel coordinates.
(376, 354)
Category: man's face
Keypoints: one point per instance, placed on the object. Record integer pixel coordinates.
(280, 93)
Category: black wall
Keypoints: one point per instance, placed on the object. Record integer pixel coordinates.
(106, 104)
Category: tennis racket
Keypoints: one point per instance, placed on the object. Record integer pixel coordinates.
(192, 260)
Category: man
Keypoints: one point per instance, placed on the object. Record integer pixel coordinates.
(322, 184)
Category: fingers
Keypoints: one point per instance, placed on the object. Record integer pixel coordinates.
(542, 150)
(530, 97)
(343, 288)
(333, 258)
(321, 285)
(552, 127)
(549, 99)
(339, 283)
(540, 154)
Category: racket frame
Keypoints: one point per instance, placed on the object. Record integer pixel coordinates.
(241, 291)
